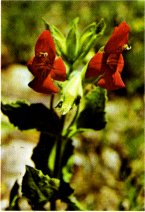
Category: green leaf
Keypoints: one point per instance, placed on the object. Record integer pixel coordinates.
(14, 197)
(90, 36)
(72, 41)
(67, 170)
(65, 190)
(26, 116)
(41, 153)
(39, 188)
(58, 37)
(67, 161)
(92, 115)
(73, 204)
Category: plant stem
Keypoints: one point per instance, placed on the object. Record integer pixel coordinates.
(51, 101)
(72, 122)
(57, 162)
(53, 205)
(56, 172)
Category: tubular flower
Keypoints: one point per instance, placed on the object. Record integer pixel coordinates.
(44, 66)
(109, 64)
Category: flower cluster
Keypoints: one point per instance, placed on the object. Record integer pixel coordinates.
(106, 65)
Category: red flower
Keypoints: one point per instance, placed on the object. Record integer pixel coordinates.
(45, 67)
(110, 62)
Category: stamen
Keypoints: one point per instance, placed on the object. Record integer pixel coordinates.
(45, 54)
(127, 47)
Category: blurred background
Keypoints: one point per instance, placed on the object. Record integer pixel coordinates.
(109, 164)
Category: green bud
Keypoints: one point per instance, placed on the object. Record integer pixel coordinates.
(71, 92)
(89, 37)
(59, 39)
(88, 45)
(72, 41)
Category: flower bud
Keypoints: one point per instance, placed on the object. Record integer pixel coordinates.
(89, 37)
(72, 41)
(59, 39)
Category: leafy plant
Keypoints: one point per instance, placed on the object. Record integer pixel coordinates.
(82, 102)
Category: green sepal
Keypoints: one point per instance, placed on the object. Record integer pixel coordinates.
(59, 39)
(72, 41)
(72, 90)
(90, 36)
(29, 116)
(39, 188)
(92, 114)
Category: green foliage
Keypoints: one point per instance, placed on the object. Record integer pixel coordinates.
(41, 153)
(14, 197)
(26, 116)
(71, 91)
(76, 47)
(92, 115)
(39, 188)
(90, 37)
(74, 205)
(72, 41)
(67, 170)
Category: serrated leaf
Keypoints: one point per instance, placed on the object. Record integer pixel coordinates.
(41, 153)
(26, 116)
(39, 188)
(93, 115)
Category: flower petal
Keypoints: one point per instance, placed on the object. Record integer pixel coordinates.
(49, 85)
(111, 81)
(46, 86)
(95, 65)
(115, 62)
(45, 44)
(118, 39)
(31, 66)
(120, 64)
(59, 71)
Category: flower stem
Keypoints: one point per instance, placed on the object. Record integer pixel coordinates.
(51, 101)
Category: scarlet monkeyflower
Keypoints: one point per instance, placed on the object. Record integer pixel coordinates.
(109, 63)
(45, 66)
